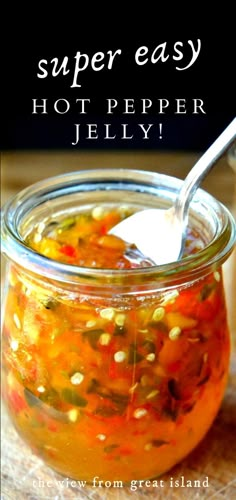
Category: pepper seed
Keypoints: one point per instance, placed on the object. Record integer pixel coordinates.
(77, 378)
(144, 380)
(217, 276)
(120, 319)
(98, 213)
(90, 323)
(107, 313)
(151, 356)
(139, 413)
(41, 389)
(16, 321)
(170, 297)
(123, 210)
(148, 446)
(105, 339)
(152, 394)
(174, 333)
(119, 356)
(73, 415)
(158, 314)
(101, 437)
(132, 389)
(205, 357)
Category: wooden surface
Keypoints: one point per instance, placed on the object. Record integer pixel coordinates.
(24, 476)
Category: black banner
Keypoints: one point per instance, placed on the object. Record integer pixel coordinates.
(161, 92)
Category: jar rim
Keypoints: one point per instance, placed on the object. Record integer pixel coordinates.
(188, 268)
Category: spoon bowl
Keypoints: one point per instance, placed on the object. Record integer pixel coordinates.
(153, 231)
(160, 234)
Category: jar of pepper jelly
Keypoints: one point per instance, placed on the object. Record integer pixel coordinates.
(112, 366)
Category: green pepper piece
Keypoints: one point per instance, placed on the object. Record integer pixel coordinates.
(110, 448)
(174, 389)
(206, 291)
(93, 386)
(134, 356)
(158, 325)
(73, 398)
(119, 400)
(49, 303)
(50, 397)
(158, 442)
(49, 228)
(204, 380)
(120, 331)
(66, 224)
(105, 411)
(170, 413)
(149, 346)
(92, 336)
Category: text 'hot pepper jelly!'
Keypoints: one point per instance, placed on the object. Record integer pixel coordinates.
(112, 366)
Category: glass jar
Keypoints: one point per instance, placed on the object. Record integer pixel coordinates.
(113, 373)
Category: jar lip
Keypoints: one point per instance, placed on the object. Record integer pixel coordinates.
(193, 265)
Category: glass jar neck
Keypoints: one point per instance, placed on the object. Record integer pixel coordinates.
(64, 194)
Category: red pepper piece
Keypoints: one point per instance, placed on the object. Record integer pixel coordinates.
(110, 328)
(113, 370)
(125, 451)
(68, 250)
(209, 308)
(174, 367)
(16, 401)
(139, 433)
(103, 229)
(52, 427)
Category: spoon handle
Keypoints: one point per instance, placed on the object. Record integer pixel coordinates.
(201, 169)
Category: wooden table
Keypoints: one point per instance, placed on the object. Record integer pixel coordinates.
(24, 476)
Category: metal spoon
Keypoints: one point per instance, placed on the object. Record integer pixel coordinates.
(143, 227)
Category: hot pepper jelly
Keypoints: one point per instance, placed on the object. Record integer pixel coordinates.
(112, 366)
